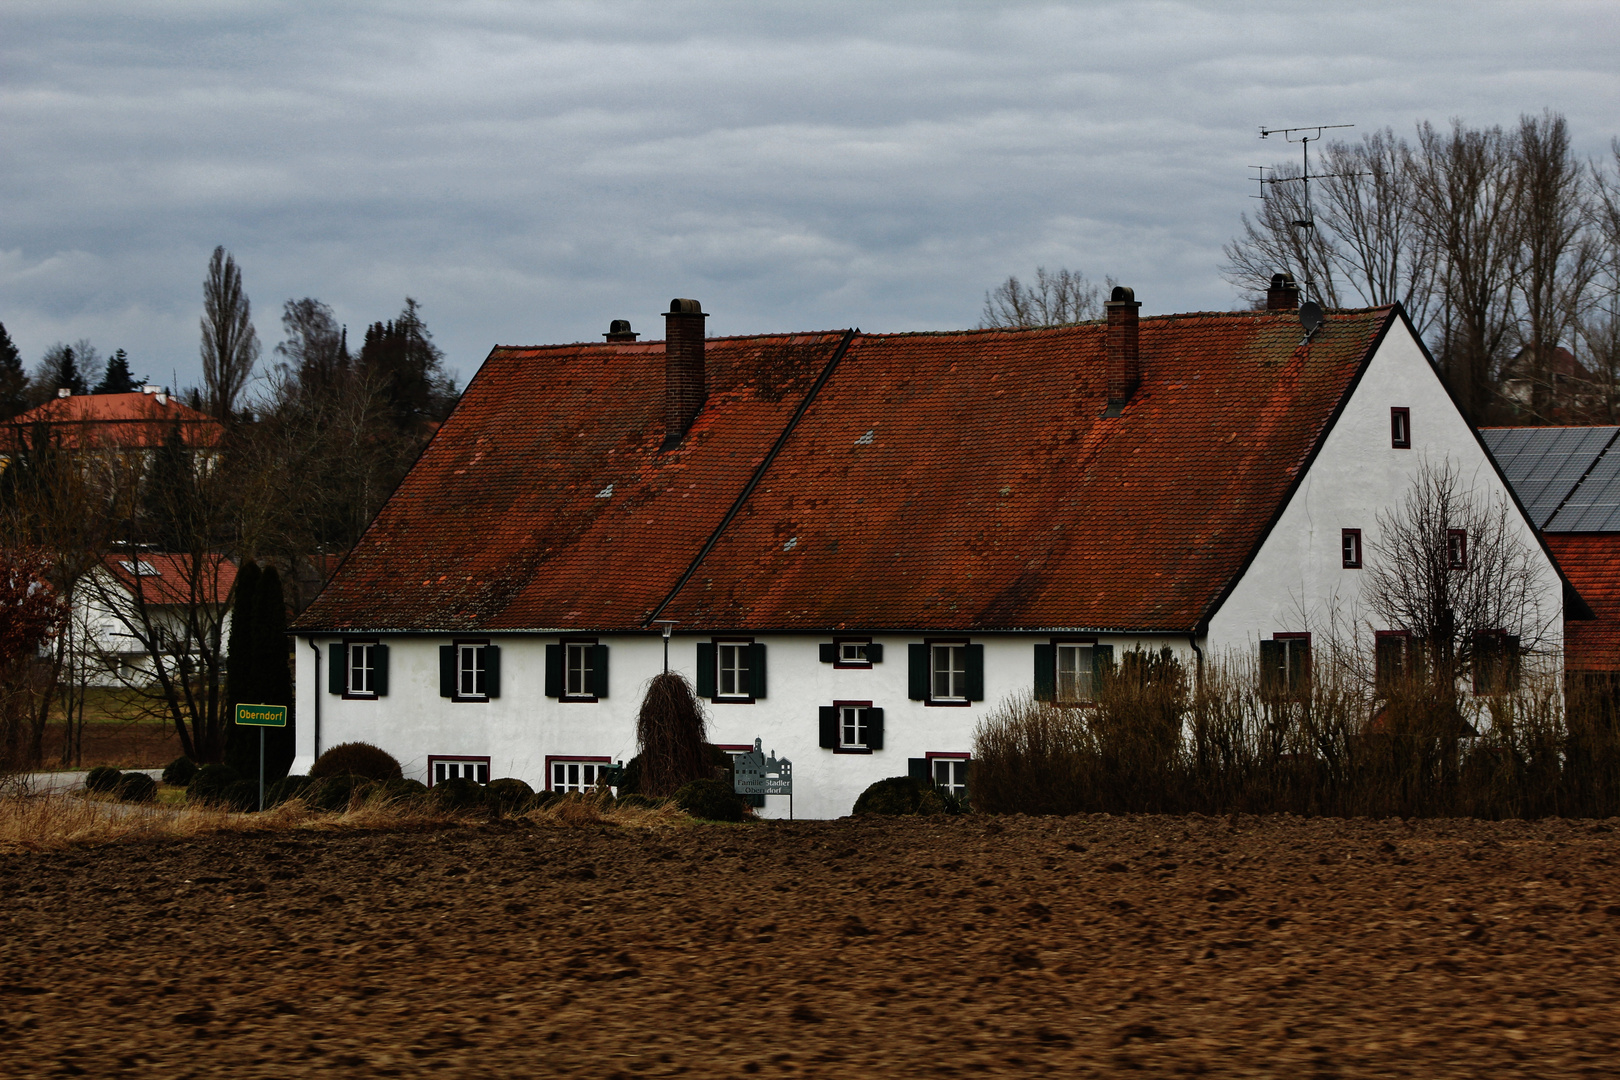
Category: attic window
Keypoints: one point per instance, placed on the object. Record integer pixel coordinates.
(1457, 549)
(141, 568)
(1400, 428)
(1350, 545)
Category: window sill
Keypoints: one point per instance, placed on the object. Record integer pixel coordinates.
(360, 697)
(948, 703)
(732, 700)
(864, 750)
(841, 665)
(578, 699)
(477, 700)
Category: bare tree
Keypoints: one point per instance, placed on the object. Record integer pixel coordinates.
(1277, 241)
(315, 349)
(1450, 567)
(230, 345)
(1598, 322)
(1056, 300)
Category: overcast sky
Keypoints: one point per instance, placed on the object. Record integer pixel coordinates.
(530, 171)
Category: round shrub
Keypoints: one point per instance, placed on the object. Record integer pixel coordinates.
(710, 800)
(634, 801)
(545, 798)
(288, 787)
(210, 783)
(459, 794)
(509, 795)
(241, 796)
(334, 793)
(401, 790)
(102, 778)
(356, 759)
(179, 772)
(136, 787)
(900, 795)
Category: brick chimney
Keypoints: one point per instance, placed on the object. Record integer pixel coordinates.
(684, 388)
(1124, 360)
(1283, 294)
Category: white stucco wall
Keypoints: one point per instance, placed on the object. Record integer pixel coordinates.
(520, 728)
(1297, 581)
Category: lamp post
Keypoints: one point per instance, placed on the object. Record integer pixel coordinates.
(667, 625)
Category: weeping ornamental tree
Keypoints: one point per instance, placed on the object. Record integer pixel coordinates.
(671, 737)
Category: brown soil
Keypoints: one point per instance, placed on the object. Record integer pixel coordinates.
(1079, 947)
(128, 744)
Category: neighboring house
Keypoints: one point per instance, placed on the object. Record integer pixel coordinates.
(133, 605)
(1566, 386)
(861, 543)
(109, 425)
(1569, 481)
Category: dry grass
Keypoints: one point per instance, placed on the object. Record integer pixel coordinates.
(51, 822)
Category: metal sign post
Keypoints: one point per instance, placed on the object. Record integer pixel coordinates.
(261, 717)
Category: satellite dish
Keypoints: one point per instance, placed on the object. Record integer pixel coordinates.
(1311, 317)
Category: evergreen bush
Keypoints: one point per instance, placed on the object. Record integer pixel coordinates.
(241, 796)
(356, 759)
(210, 782)
(335, 793)
(288, 787)
(900, 795)
(459, 794)
(179, 772)
(102, 778)
(711, 800)
(510, 795)
(136, 787)
(634, 801)
(399, 790)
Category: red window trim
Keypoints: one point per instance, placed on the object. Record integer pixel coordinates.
(730, 748)
(838, 642)
(1462, 562)
(735, 699)
(584, 759)
(1344, 534)
(346, 642)
(930, 701)
(1396, 439)
(958, 755)
(1282, 635)
(863, 751)
(566, 698)
(456, 757)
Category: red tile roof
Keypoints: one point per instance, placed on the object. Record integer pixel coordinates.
(937, 481)
(167, 578)
(112, 420)
(1591, 562)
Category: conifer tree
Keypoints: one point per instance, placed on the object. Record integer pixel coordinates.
(241, 745)
(117, 378)
(13, 379)
(272, 674)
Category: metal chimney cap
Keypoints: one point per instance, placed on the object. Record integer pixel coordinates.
(685, 307)
(1122, 294)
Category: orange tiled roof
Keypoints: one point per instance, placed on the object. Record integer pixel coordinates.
(936, 481)
(1591, 563)
(167, 578)
(112, 420)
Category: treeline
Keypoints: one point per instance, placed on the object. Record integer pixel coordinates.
(1502, 244)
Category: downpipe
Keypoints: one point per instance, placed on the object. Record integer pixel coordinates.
(316, 649)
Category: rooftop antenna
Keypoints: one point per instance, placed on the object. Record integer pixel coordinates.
(1304, 136)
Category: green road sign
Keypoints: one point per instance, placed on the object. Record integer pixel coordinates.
(261, 715)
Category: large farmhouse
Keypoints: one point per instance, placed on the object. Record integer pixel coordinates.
(859, 544)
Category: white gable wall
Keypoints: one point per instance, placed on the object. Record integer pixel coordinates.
(1297, 581)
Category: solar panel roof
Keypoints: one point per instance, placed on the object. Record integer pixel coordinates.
(1545, 464)
(1594, 505)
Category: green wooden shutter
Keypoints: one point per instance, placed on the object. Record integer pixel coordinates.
(1299, 666)
(975, 672)
(554, 671)
(492, 671)
(917, 768)
(379, 677)
(1045, 672)
(705, 669)
(337, 669)
(447, 671)
(874, 728)
(756, 668)
(1102, 666)
(874, 652)
(1387, 655)
(829, 653)
(1270, 667)
(829, 727)
(599, 670)
(917, 672)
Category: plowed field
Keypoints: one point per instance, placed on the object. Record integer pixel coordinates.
(951, 947)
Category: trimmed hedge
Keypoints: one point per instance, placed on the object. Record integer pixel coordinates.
(136, 787)
(242, 796)
(335, 793)
(102, 778)
(711, 800)
(399, 790)
(210, 783)
(356, 759)
(179, 772)
(901, 795)
(460, 794)
(509, 795)
(288, 787)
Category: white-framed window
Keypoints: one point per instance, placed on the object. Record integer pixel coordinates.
(948, 672)
(851, 727)
(1075, 664)
(853, 653)
(575, 774)
(472, 670)
(362, 665)
(441, 769)
(731, 669)
(950, 774)
(1457, 549)
(1350, 548)
(578, 657)
(1400, 428)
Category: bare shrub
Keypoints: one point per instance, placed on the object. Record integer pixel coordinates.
(671, 737)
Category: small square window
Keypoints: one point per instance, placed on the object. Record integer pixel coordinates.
(1400, 428)
(852, 653)
(362, 665)
(1075, 667)
(441, 769)
(731, 658)
(949, 672)
(1457, 549)
(951, 775)
(1350, 548)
